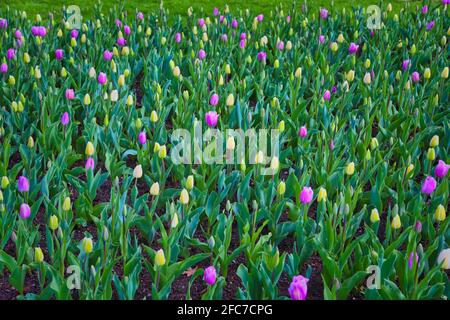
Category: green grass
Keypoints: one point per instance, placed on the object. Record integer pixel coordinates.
(42, 7)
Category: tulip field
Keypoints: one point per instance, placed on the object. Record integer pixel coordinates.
(125, 173)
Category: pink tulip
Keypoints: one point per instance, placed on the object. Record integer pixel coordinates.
(411, 261)
(260, 17)
(59, 54)
(211, 118)
(178, 37)
(405, 64)
(74, 33)
(24, 211)
(3, 68)
(65, 119)
(102, 78)
(201, 22)
(261, 56)
(306, 195)
(215, 12)
(323, 13)
(303, 132)
(121, 41)
(429, 185)
(70, 94)
(353, 48)
(10, 54)
(108, 55)
(234, 24)
(214, 100)
(209, 275)
(201, 54)
(415, 77)
(142, 138)
(326, 95)
(3, 23)
(441, 169)
(23, 185)
(89, 164)
(127, 30)
(140, 16)
(298, 288)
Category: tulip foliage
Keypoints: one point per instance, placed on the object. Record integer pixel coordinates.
(94, 206)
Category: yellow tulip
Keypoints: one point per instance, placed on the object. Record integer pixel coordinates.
(434, 142)
(53, 222)
(184, 197)
(66, 204)
(350, 168)
(431, 154)
(89, 149)
(439, 214)
(322, 196)
(154, 189)
(38, 255)
(162, 153)
(190, 182)
(396, 222)
(137, 172)
(281, 188)
(5, 182)
(230, 100)
(374, 215)
(160, 260)
(153, 116)
(87, 245)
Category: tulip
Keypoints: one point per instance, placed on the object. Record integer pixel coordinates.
(66, 204)
(137, 172)
(439, 214)
(211, 118)
(367, 78)
(415, 77)
(65, 119)
(427, 73)
(209, 275)
(102, 78)
(201, 54)
(142, 138)
(327, 95)
(323, 13)
(431, 154)
(306, 195)
(261, 56)
(396, 222)
(281, 188)
(5, 182)
(160, 259)
(374, 215)
(153, 116)
(230, 100)
(154, 189)
(70, 94)
(430, 25)
(350, 76)
(322, 196)
(54, 223)
(411, 260)
(444, 73)
(405, 64)
(3, 68)
(174, 222)
(184, 197)
(59, 54)
(89, 164)
(214, 100)
(303, 132)
(434, 142)
(275, 163)
(298, 288)
(190, 182)
(441, 169)
(89, 149)
(350, 168)
(10, 53)
(23, 185)
(429, 185)
(162, 152)
(444, 259)
(87, 99)
(87, 245)
(353, 48)
(24, 211)
(38, 255)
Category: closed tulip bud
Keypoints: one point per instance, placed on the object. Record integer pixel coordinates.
(350, 168)
(30, 143)
(54, 223)
(137, 172)
(281, 126)
(439, 214)
(427, 73)
(367, 63)
(444, 73)
(230, 100)
(66, 204)
(26, 58)
(276, 64)
(184, 197)
(130, 100)
(413, 49)
(275, 102)
(434, 142)
(367, 79)
(373, 143)
(38, 255)
(340, 38)
(162, 152)
(176, 71)
(281, 188)
(298, 72)
(12, 80)
(322, 196)
(83, 38)
(87, 99)
(174, 222)
(349, 76)
(396, 222)
(87, 245)
(334, 46)
(5, 182)
(374, 215)
(154, 189)
(274, 163)
(153, 116)
(368, 155)
(410, 168)
(431, 154)
(121, 80)
(190, 182)
(156, 147)
(160, 259)
(89, 149)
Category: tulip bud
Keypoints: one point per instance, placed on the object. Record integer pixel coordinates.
(230, 100)
(190, 182)
(281, 188)
(184, 197)
(350, 168)
(160, 260)
(444, 73)
(396, 222)
(87, 245)
(89, 149)
(54, 223)
(66, 204)
(153, 116)
(431, 154)
(137, 172)
(374, 215)
(322, 196)
(154, 189)
(162, 152)
(38, 255)
(439, 214)
(5, 182)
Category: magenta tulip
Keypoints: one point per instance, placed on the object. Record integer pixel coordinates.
(209, 275)
(429, 185)
(142, 138)
(214, 100)
(441, 169)
(306, 195)
(102, 78)
(70, 94)
(211, 118)
(89, 164)
(298, 288)
(65, 119)
(303, 132)
(24, 211)
(23, 185)
(59, 54)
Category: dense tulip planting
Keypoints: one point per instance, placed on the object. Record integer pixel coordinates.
(94, 206)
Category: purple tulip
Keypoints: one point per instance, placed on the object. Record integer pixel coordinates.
(102, 78)
(201, 54)
(224, 37)
(42, 31)
(288, 19)
(214, 100)
(74, 34)
(211, 118)
(142, 138)
(65, 119)
(441, 169)
(418, 226)
(35, 31)
(10, 54)
(411, 260)
(18, 34)
(201, 22)
(24, 211)
(234, 24)
(430, 25)
(127, 30)
(242, 44)
(306, 195)
(3, 68)
(445, 2)
(178, 37)
(108, 55)
(89, 164)
(59, 54)
(70, 94)
(321, 39)
(140, 16)
(331, 145)
(415, 77)
(3, 23)
(326, 95)
(429, 185)
(121, 41)
(221, 19)
(260, 17)
(334, 89)
(303, 131)
(405, 64)
(209, 276)
(243, 36)
(425, 9)
(323, 13)
(261, 56)
(298, 288)
(280, 45)
(23, 185)
(118, 23)
(215, 12)
(353, 48)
